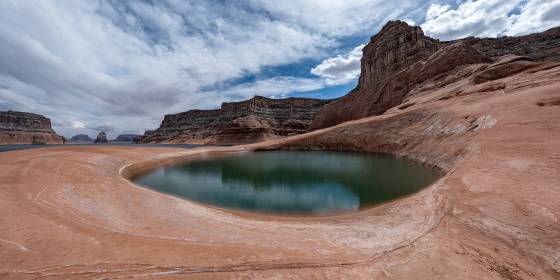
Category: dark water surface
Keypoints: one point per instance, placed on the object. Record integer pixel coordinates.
(288, 182)
(6, 148)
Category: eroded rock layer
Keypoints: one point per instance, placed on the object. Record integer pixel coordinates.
(253, 120)
(538, 46)
(400, 60)
(26, 128)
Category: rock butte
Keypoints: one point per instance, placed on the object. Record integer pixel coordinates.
(101, 138)
(253, 120)
(491, 125)
(26, 128)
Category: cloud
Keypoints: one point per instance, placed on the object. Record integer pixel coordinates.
(340, 69)
(535, 16)
(484, 18)
(491, 18)
(409, 21)
(275, 87)
(436, 10)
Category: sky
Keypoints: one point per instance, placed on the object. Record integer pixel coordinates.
(119, 66)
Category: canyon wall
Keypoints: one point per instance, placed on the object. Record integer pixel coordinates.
(400, 60)
(26, 128)
(253, 120)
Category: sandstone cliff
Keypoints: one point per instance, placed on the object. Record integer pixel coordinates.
(26, 128)
(400, 61)
(247, 121)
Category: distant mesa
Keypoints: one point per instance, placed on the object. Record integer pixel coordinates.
(101, 138)
(84, 138)
(128, 138)
(26, 128)
(253, 120)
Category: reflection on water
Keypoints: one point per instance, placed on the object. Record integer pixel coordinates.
(291, 182)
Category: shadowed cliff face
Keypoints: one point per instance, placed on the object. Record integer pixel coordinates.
(248, 121)
(27, 128)
(400, 60)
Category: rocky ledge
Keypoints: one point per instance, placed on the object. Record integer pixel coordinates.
(26, 128)
(253, 120)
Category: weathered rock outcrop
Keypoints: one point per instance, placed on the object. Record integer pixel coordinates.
(26, 128)
(538, 46)
(81, 138)
(396, 47)
(128, 138)
(247, 121)
(400, 61)
(101, 138)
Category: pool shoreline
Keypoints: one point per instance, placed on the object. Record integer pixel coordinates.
(73, 212)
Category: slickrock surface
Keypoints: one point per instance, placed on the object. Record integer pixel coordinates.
(401, 60)
(494, 215)
(101, 137)
(26, 128)
(249, 121)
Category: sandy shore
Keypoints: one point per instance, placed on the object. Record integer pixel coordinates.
(70, 212)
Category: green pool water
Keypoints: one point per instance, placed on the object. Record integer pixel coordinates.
(290, 182)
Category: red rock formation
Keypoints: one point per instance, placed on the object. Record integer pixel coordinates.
(26, 128)
(400, 61)
(247, 121)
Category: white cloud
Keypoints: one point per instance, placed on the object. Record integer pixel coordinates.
(78, 125)
(78, 60)
(491, 18)
(339, 17)
(536, 16)
(485, 18)
(340, 69)
(409, 21)
(276, 87)
(436, 10)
